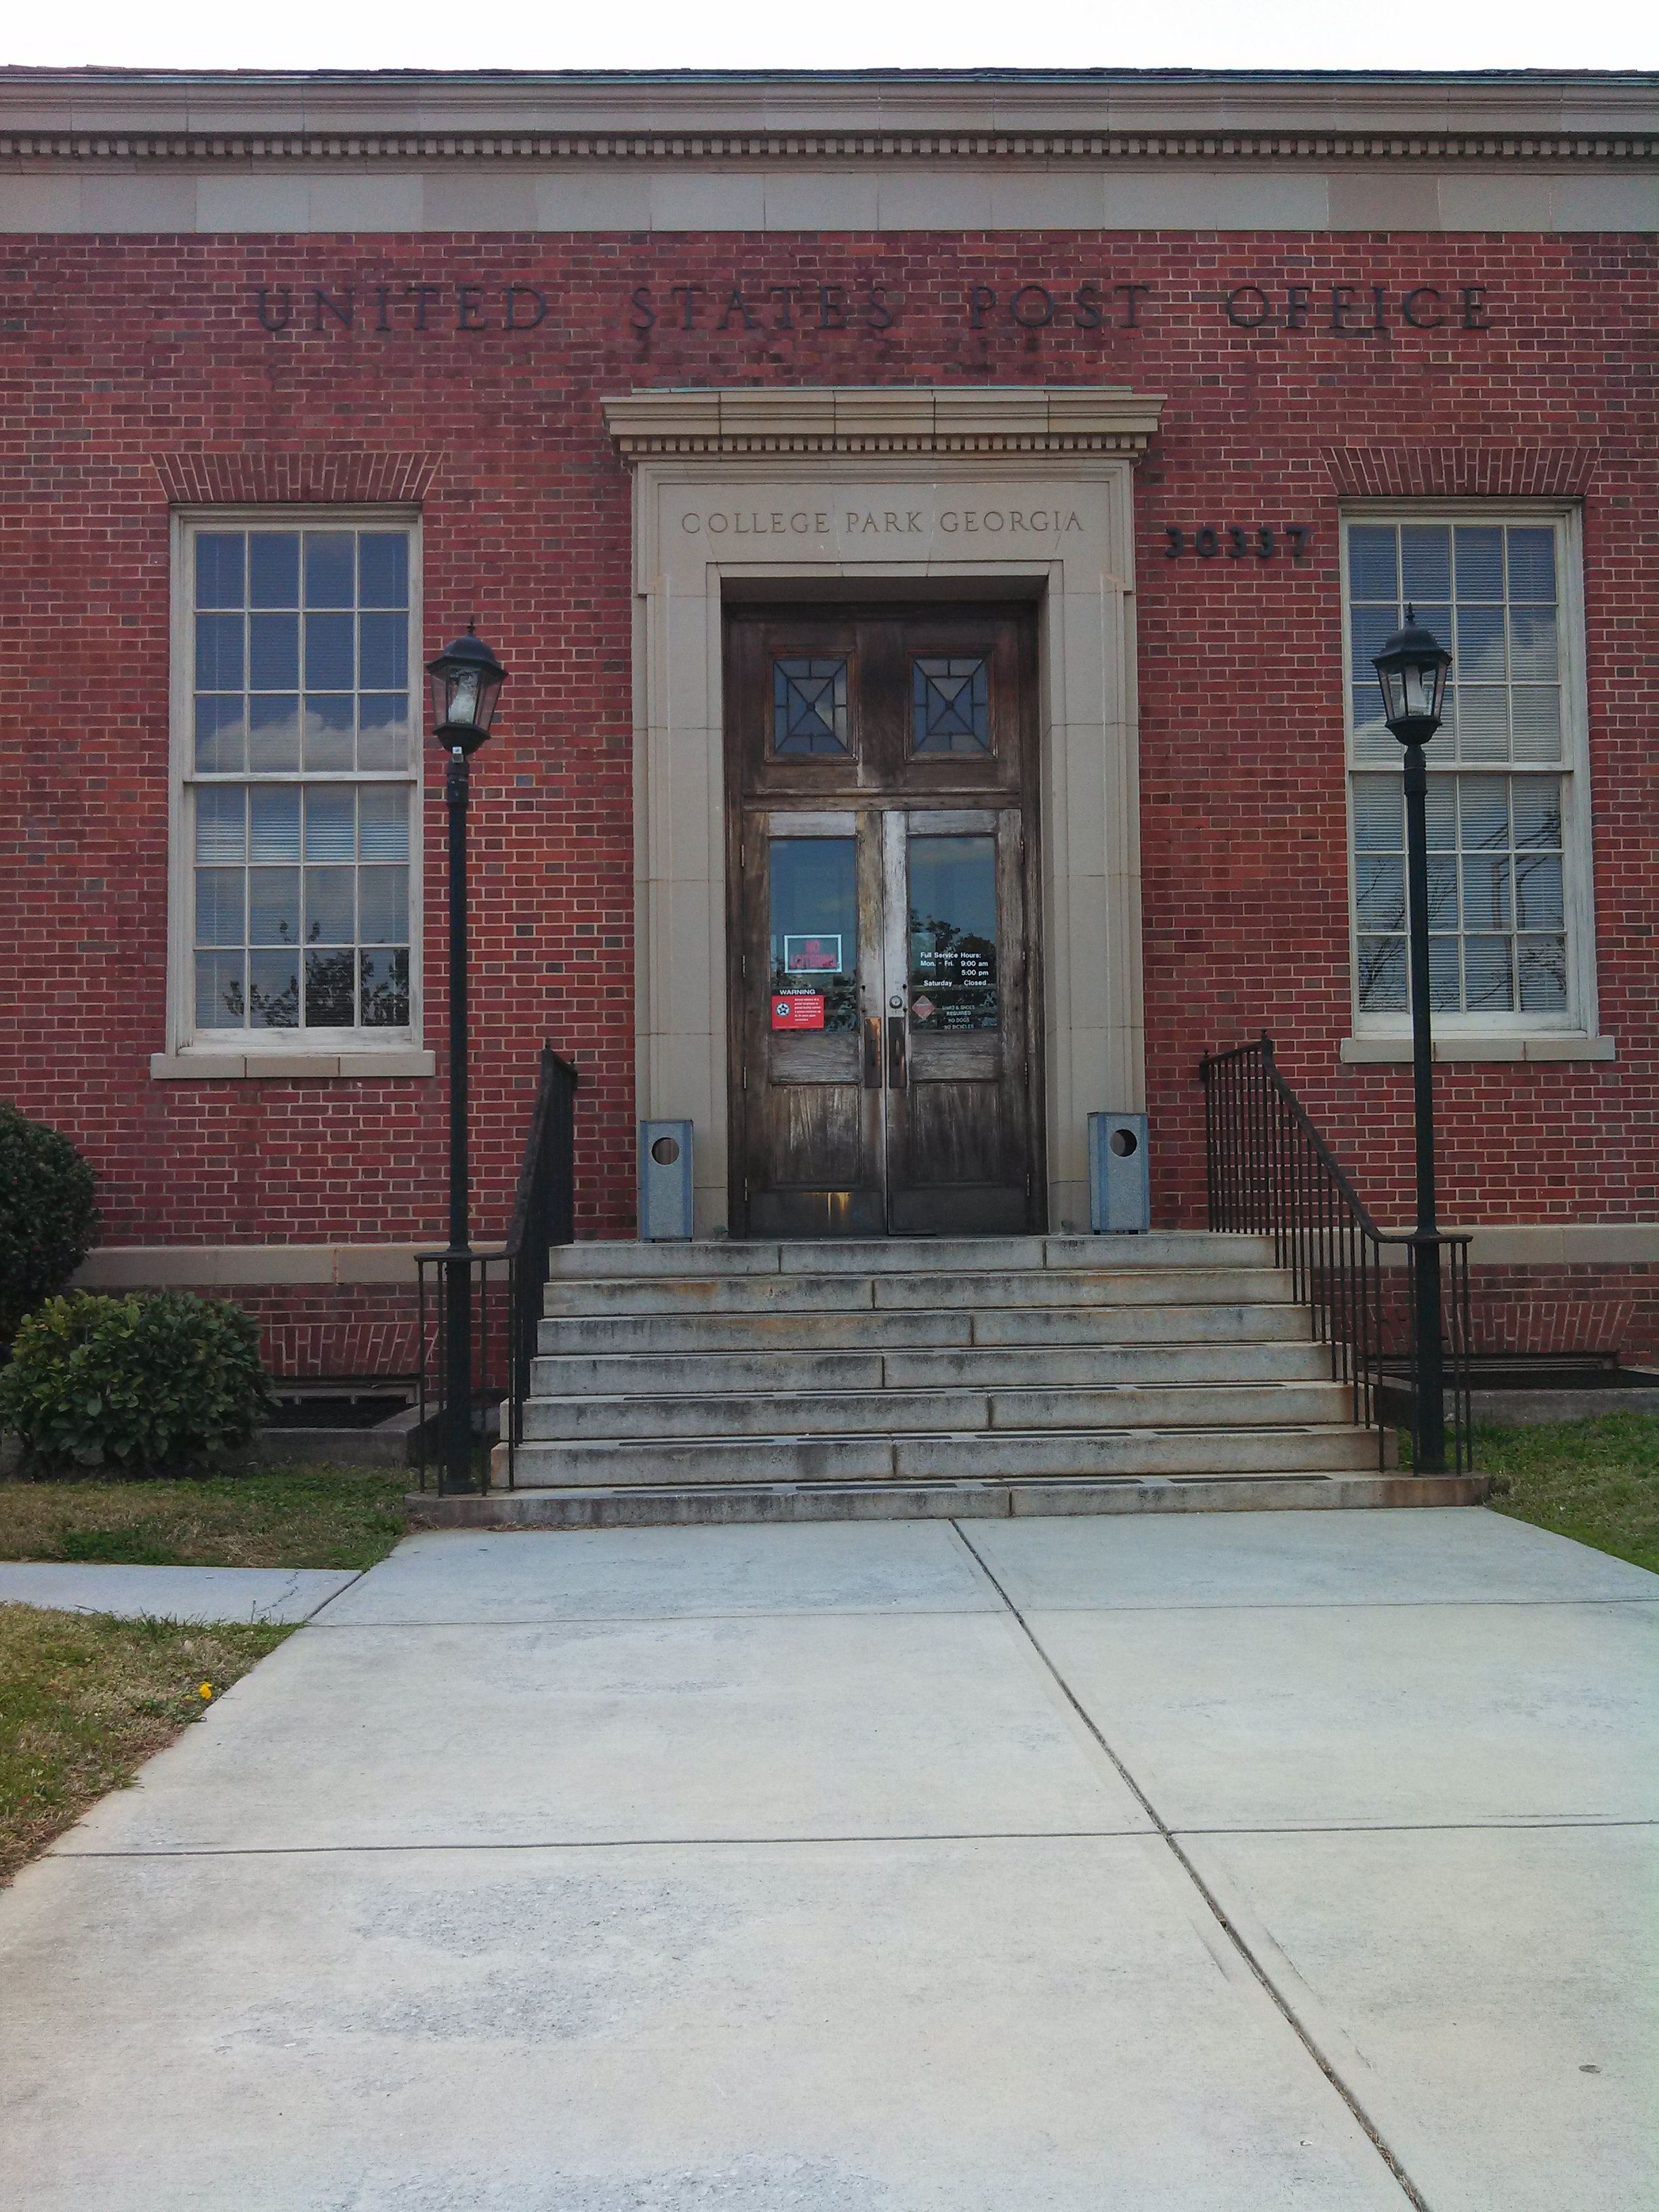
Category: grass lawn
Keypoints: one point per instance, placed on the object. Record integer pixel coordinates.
(84, 1700)
(288, 1516)
(1597, 1481)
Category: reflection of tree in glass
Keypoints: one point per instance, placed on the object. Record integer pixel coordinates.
(277, 1009)
(385, 997)
(328, 990)
(942, 958)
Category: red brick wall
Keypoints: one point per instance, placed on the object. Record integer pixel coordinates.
(143, 369)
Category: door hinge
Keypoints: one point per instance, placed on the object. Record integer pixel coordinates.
(743, 1076)
(742, 966)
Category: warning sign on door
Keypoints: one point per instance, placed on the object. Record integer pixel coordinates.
(800, 1010)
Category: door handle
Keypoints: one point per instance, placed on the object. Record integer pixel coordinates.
(896, 1071)
(872, 1052)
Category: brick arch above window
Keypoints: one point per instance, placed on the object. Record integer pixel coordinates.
(262, 475)
(1462, 471)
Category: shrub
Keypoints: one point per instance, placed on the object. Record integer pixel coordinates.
(48, 1221)
(137, 1383)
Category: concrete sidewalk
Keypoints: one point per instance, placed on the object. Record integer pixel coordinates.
(1227, 1863)
(278, 1595)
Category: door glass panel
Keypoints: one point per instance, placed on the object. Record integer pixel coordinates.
(815, 922)
(953, 933)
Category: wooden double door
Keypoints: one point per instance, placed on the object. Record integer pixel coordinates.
(884, 1009)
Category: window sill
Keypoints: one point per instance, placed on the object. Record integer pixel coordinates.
(197, 1065)
(1544, 1045)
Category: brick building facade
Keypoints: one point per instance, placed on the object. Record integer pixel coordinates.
(1295, 331)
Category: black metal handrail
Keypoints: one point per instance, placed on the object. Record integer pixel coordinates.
(510, 1279)
(1270, 1172)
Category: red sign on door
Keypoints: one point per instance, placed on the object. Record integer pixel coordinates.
(801, 1010)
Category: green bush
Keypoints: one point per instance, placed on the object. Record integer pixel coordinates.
(135, 1384)
(48, 1221)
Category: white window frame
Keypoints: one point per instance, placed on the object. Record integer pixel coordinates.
(197, 1054)
(1572, 1033)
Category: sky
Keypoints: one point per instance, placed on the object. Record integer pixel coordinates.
(838, 35)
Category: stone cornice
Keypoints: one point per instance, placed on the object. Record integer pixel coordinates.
(734, 420)
(1152, 116)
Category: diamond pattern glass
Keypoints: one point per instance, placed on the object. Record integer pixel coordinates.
(809, 705)
(950, 704)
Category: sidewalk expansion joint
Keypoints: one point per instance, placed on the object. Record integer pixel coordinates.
(1170, 1837)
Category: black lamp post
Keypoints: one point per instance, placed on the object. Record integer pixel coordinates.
(466, 681)
(1412, 669)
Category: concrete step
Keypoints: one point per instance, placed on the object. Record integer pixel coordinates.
(1051, 1367)
(900, 1293)
(703, 1505)
(610, 1260)
(916, 1328)
(856, 1413)
(951, 1457)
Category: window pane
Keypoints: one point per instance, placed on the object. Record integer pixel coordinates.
(1482, 722)
(1379, 821)
(1479, 563)
(1532, 644)
(386, 989)
(331, 823)
(953, 933)
(329, 568)
(219, 916)
(383, 729)
(1532, 564)
(1543, 965)
(384, 642)
(1487, 985)
(383, 569)
(274, 732)
(220, 824)
(1425, 564)
(815, 923)
(1487, 890)
(274, 823)
(383, 822)
(1368, 630)
(1383, 975)
(274, 990)
(1536, 712)
(329, 660)
(273, 569)
(1373, 568)
(218, 652)
(1537, 810)
(220, 999)
(1484, 806)
(1478, 648)
(1445, 989)
(329, 1000)
(328, 731)
(383, 906)
(1380, 891)
(950, 704)
(221, 738)
(1373, 740)
(273, 905)
(219, 568)
(273, 651)
(809, 706)
(1442, 891)
(1440, 811)
(329, 903)
(1539, 892)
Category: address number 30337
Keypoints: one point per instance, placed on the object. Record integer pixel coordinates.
(1261, 541)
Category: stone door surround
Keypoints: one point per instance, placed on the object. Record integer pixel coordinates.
(884, 491)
